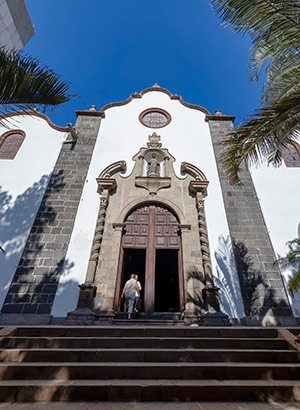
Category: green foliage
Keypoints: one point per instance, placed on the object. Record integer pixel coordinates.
(25, 83)
(274, 29)
(292, 259)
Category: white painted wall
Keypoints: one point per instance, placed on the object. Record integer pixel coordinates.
(279, 192)
(23, 181)
(121, 135)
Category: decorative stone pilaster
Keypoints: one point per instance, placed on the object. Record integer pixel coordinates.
(96, 246)
(213, 316)
(88, 289)
(204, 238)
(85, 307)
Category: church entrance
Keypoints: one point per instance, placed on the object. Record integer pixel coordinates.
(151, 249)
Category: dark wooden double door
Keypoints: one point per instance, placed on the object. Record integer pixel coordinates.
(151, 248)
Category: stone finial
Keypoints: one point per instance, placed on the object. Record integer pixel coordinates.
(154, 141)
(155, 86)
(218, 112)
(93, 108)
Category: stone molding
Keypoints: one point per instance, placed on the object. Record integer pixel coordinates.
(150, 200)
(159, 110)
(112, 169)
(153, 185)
(34, 113)
(155, 87)
(14, 145)
(187, 168)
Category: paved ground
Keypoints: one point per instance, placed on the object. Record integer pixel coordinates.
(150, 406)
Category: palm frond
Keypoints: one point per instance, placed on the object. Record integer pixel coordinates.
(260, 18)
(292, 259)
(263, 136)
(25, 83)
(294, 283)
(274, 29)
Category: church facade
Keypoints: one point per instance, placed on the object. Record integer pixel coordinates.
(138, 187)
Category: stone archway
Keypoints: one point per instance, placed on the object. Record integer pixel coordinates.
(151, 248)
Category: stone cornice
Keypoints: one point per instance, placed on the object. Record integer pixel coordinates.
(36, 114)
(155, 87)
(107, 183)
(220, 118)
(89, 113)
(198, 186)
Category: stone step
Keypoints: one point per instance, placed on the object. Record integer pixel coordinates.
(139, 331)
(148, 355)
(120, 370)
(159, 316)
(145, 322)
(143, 342)
(149, 390)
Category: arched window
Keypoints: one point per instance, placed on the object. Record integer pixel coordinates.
(291, 155)
(10, 143)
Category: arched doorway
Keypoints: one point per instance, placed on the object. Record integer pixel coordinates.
(151, 248)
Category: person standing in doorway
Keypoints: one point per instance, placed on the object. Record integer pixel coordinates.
(137, 294)
(129, 292)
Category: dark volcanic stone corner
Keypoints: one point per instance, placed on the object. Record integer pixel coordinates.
(260, 280)
(36, 278)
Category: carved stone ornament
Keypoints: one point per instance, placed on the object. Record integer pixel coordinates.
(154, 141)
(193, 171)
(112, 169)
(153, 184)
(105, 180)
(153, 168)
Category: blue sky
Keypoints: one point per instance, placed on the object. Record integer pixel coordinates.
(110, 49)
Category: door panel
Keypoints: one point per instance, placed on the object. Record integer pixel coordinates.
(152, 227)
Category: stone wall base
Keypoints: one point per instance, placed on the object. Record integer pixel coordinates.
(87, 316)
(214, 319)
(24, 319)
(105, 319)
(271, 321)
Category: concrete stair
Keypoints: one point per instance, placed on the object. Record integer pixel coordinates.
(64, 363)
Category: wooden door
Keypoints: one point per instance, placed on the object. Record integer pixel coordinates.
(151, 227)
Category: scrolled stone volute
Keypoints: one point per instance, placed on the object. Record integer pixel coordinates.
(112, 169)
(187, 168)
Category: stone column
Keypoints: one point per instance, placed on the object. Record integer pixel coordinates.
(264, 296)
(88, 290)
(188, 284)
(213, 315)
(106, 276)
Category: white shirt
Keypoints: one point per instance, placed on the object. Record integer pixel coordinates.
(139, 287)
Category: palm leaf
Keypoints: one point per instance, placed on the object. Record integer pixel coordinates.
(292, 259)
(267, 132)
(274, 28)
(260, 18)
(25, 83)
(294, 283)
